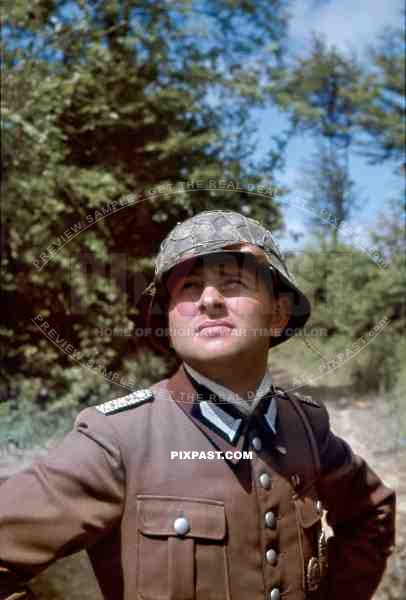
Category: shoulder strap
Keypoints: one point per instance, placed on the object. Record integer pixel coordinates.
(125, 402)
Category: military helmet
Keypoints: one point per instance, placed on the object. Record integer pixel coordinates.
(218, 232)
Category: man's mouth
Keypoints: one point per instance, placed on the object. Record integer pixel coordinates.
(214, 328)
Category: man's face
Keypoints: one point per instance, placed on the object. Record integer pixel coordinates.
(221, 310)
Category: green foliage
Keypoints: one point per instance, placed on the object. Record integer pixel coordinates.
(319, 92)
(328, 187)
(353, 295)
(345, 104)
(40, 410)
(383, 114)
(101, 102)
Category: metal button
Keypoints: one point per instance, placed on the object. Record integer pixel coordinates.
(271, 556)
(274, 594)
(319, 507)
(181, 525)
(270, 520)
(257, 443)
(265, 481)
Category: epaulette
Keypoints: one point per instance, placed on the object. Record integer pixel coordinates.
(125, 402)
(306, 399)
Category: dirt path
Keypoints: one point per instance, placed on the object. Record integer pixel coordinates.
(372, 429)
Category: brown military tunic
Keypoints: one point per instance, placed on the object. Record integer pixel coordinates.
(162, 528)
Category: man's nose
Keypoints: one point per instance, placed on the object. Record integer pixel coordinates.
(211, 297)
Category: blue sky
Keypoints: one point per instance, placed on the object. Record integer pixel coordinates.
(350, 25)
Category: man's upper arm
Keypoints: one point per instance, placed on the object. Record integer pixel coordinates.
(62, 503)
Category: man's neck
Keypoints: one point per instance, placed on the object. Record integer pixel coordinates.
(243, 382)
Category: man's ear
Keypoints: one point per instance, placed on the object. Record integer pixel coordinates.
(281, 313)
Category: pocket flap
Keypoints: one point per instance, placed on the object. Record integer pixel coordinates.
(307, 511)
(157, 514)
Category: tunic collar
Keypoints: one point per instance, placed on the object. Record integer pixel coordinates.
(222, 422)
(217, 413)
(246, 407)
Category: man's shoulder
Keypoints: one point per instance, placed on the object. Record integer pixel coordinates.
(310, 408)
(127, 402)
(118, 410)
(111, 420)
(305, 399)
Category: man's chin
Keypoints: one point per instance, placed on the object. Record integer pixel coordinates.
(215, 349)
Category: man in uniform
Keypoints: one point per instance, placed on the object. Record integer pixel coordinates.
(158, 485)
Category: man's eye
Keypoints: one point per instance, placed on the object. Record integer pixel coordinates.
(189, 284)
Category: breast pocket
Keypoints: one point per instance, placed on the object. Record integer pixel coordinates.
(181, 549)
(312, 545)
